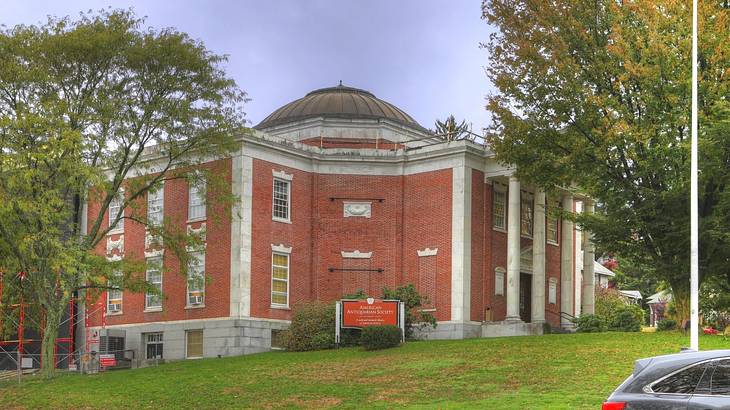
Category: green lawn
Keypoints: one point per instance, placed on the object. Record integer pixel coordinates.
(553, 371)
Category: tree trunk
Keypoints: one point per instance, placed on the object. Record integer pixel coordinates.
(48, 345)
(681, 299)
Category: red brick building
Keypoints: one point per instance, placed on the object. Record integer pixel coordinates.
(340, 191)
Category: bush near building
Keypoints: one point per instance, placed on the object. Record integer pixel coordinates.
(611, 306)
(380, 337)
(666, 324)
(590, 324)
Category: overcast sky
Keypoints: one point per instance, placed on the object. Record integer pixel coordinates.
(422, 56)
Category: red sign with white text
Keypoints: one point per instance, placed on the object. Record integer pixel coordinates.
(369, 312)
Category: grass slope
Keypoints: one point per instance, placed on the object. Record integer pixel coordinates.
(552, 371)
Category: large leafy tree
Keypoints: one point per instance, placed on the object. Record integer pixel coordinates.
(92, 109)
(596, 93)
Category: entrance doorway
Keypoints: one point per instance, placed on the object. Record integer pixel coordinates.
(525, 297)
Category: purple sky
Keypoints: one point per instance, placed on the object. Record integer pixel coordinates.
(422, 56)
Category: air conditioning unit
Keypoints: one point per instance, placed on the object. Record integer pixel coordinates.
(114, 307)
(196, 299)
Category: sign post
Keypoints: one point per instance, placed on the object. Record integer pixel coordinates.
(357, 314)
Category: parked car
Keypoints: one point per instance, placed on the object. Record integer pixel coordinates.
(688, 380)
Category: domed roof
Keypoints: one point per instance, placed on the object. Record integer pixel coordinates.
(338, 102)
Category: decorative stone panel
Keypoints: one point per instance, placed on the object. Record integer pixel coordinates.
(360, 209)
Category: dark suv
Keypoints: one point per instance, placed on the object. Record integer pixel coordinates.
(687, 380)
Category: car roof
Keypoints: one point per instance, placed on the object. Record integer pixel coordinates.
(651, 368)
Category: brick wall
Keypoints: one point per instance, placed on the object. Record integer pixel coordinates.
(174, 285)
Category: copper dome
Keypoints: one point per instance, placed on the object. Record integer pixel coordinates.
(338, 102)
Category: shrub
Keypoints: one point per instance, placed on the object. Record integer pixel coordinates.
(380, 337)
(312, 327)
(415, 317)
(666, 324)
(610, 304)
(590, 324)
(625, 320)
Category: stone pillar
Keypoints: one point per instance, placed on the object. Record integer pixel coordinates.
(538, 259)
(589, 287)
(513, 251)
(566, 263)
(461, 244)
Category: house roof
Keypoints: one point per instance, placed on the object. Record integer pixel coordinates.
(599, 269)
(633, 294)
(659, 297)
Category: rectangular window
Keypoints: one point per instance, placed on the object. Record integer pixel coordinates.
(499, 204)
(526, 214)
(114, 296)
(114, 207)
(154, 277)
(153, 345)
(196, 201)
(552, 224)
(196, 279)
(155, 205)
(280, 279)
(553, 291)
(499, 281)
(194, 344)
(282, 191)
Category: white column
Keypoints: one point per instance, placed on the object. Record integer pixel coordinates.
(242, 220)
(513, 250)
(589, 288)
(461, 244)
(566, 262)
(538, 259)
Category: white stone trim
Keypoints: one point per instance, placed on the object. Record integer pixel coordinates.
(499, 276)
(112, 245)
(427, 252)
(154, 253)
(200, 230)
(282, 175)
(357, 209)
(356, 254)
(280, 248)
(461, 243)
(114, 258)
(242, 292)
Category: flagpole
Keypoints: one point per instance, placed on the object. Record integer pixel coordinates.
(694, 224)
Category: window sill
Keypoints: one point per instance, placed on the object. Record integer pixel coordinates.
(522, 235)
(428, 310)
(284, 221)
(152, 309)
(499, 229)
(194, 306)
(115, 232)
(280, 307)
(194, 358)
(114, 313)
(194, 220)
(553, 243)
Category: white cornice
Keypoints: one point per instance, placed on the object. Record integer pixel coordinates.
(428, 252)
(280, 248)
(356, 255)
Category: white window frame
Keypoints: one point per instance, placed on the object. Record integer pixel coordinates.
(287, 183)
(114, 205)
(156, 205)
(197, 260)
(152, 261)
(288, 279)
(111, 294)
(527, 200)
(497, 193)
(147, 341)
(197, 203)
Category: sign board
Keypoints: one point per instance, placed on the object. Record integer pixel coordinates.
(369, 312)
(358, 314)
(107, 360)
(26, 363)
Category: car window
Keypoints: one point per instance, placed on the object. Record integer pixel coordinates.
(683, 382)
(720, 382)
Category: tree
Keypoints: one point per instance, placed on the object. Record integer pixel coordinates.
(596, 94)
(450, 130)
(95, 109)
